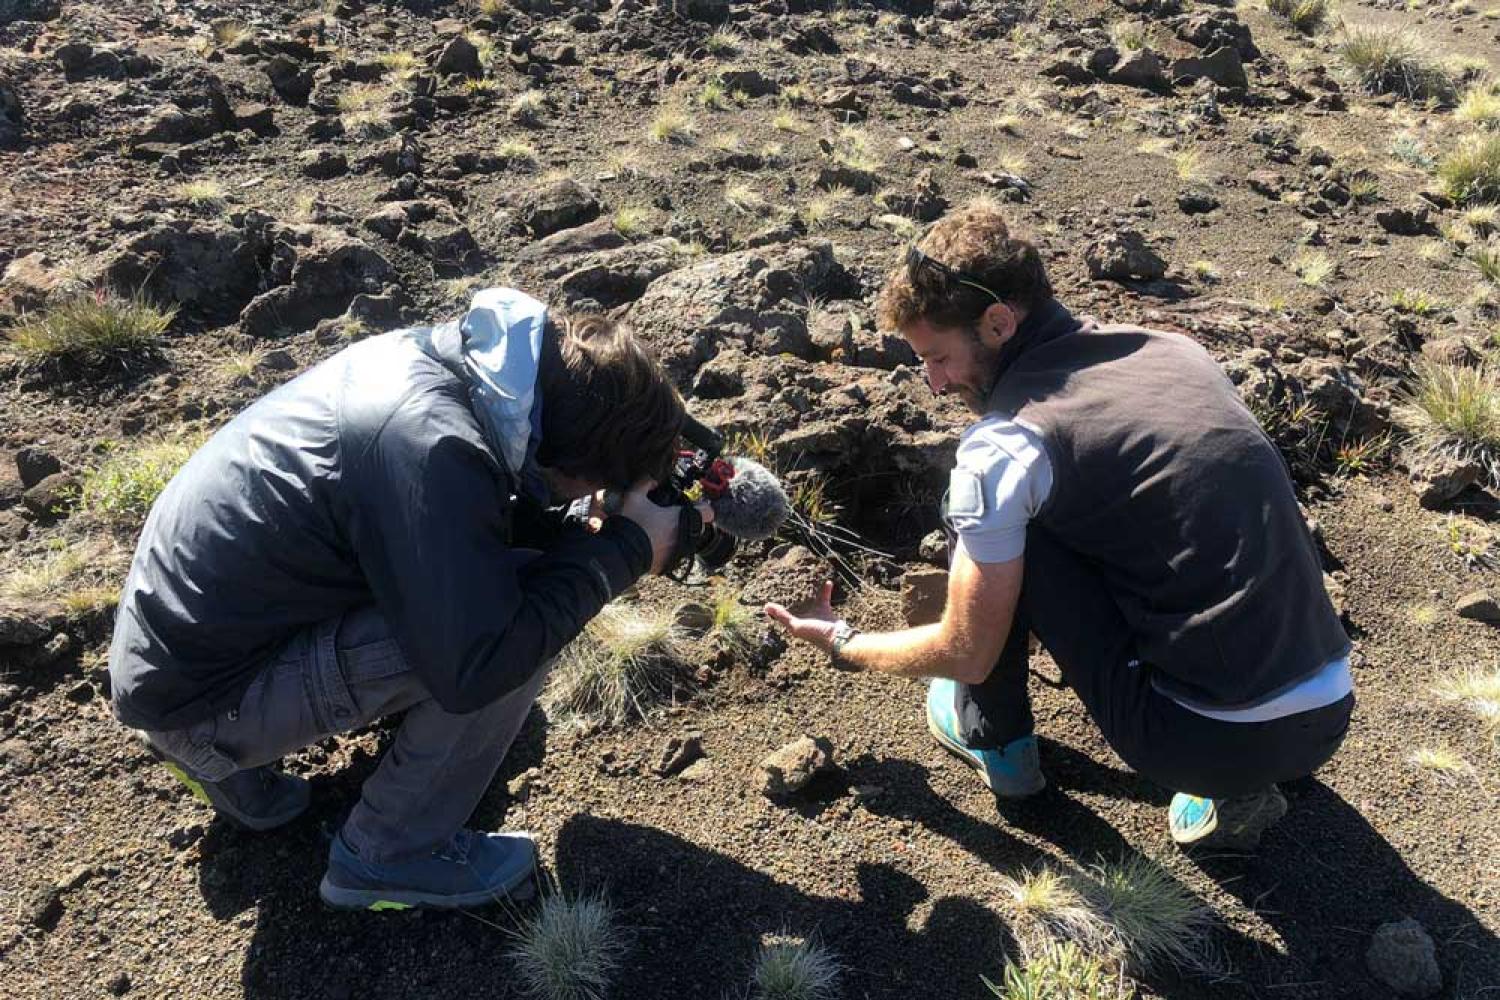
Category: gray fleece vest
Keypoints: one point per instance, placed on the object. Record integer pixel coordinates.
(1166, 485)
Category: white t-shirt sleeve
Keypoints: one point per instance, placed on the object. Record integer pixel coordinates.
(999, 482)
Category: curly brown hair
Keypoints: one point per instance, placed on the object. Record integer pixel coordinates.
(975, 240)
(610, 414)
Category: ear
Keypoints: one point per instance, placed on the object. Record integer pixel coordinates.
(997, 324)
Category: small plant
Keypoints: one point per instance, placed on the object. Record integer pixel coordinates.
(481, 88)
(1484, 220)
(227, 32)
(364, 107)
(1478, 690)
(1453, 411)
(853, 150)
(722, 43)
(672, 126)
(1471, 173)
(1009, 124)
(1487, 259)
(1423, 615)
(743, 198)
(404, 65)
(754, 445)
(785, 121)
(1206, 271)
(1061, 971)
(1449, 767)
(91, 328)
(809, 500)
(1390, 61)
(517, 153)
(1128, 36)
(734, 625)
(713, 96)
(796, 95)
(1313, 268)
(623, 661)
(1307, 16)
(1189, 164)
(571, 949)
(1480, 105)
(1049, 901)
(1356, 458)
(125, 486)
(822, 209)
(1364, 186)
(1409, 150)
(726, 142)
(239, 365)
(203, 196)
(1414, 301)
(528, 107)
(787, 969)
(631, 220)
(1152, 919)
(63, 569)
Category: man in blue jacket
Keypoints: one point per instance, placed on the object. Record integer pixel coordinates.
(363, 541)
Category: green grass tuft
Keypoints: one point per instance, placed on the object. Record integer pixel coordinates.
(1061, 971)
(125, 486)
(1471, 173)
(1153, 921)
(91, 328)
(1453, 411)
(1391, 61)
(625, 661)
(1307, 16)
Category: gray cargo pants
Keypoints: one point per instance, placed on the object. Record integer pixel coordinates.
(344, 674)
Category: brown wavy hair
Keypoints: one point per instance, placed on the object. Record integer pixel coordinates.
(610, 414)
(976, 240)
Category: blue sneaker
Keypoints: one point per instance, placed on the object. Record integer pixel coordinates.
(258, 798)
(1224, 824)
(1012, 772)
(472, 869)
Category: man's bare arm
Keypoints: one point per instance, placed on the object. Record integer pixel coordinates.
(964, 646)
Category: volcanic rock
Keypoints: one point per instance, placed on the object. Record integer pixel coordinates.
(788, 770)
(1140, 68)
(562, 204)
(1123, 255)
(1402, 956)
(12, 116)
(29, 10)
(924, 595)
(319, 269)
(1479, 606)
(459, 58)
(1413, 220)
(197, 263)
(1223, 66)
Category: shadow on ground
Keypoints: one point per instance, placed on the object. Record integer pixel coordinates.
(1324, 880)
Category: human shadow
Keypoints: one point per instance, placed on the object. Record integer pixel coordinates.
(1325, 879)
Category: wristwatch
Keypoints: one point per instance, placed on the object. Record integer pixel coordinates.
(842, 633)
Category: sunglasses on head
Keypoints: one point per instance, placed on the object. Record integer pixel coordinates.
(917, 261)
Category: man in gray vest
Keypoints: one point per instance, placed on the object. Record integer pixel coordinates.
(374, 537)
(1115, 498)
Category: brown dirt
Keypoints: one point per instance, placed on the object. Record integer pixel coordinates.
(891, 861)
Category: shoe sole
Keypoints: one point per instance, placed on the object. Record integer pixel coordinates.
(257, 824)
(342, 898)
(958, 750)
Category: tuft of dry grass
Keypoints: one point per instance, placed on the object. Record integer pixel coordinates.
(1313, 268)
(625, 660)
(528, 107)
(1480, 105)
(1393, 61)
(90, 329)
(1307, 16)
(1471, 173)
(1447, 766)
(1478, 690)
(517, 153)
(1453, 411)
(672, 126)
(75, 573)
(207, 195)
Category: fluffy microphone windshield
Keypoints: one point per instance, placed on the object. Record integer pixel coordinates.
(753, 506)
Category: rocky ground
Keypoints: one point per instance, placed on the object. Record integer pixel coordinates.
(733, 179)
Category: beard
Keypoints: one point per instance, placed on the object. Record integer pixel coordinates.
(986, 367)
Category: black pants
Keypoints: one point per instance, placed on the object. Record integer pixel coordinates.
(1068, 608)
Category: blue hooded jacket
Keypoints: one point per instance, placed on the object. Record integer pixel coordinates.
(382, 475)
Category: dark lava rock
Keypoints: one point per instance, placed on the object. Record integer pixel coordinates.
(46, 908)
(1413, 220)
(1140, 68)
(1196, 201)
(560, 205)
(52, 497)
(459, 58)
(196, 263)
(12, 116)
(1479, 606)
(320, 269)
(1123, 255)
(924, 595)
(292, 81)
(34, 464)
(1223, 66)
(1402, 956)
